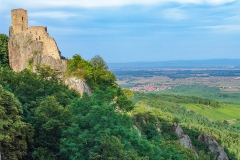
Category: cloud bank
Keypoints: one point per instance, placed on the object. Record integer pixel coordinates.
(54, 15)
(136, 29)
(112, 3)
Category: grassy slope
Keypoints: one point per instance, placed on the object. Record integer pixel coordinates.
(205, 92)
(237, 124)
(230, 107)
(225, 112)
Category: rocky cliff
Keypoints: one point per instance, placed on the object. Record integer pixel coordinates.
(213, 146)
(26, 52)
(21, 49)
(77, 84)
(183, 138)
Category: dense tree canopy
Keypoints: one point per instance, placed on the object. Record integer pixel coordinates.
(13, 131)
(95, 72)
(37, 94)
(3, 50)
(65, 126)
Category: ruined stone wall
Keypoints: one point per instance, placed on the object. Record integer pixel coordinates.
(19, 20)
(25, 52)
(39, 33)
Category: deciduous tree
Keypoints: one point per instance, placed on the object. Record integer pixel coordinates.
(13, 131)
(4, 50)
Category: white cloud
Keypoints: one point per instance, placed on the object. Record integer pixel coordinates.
(224, 28)
(55, 15)
(105, 3)
(80, 31)
(217, 2)
(174, 14)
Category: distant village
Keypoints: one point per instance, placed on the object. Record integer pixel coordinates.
(150, 88)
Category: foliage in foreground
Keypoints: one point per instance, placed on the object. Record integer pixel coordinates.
(3, 50)
(65, 126)
(13, 131)
(95, 72)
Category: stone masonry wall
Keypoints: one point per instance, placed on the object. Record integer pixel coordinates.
(19, 20)
(39, 33)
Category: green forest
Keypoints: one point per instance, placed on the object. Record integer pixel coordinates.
(41, 118)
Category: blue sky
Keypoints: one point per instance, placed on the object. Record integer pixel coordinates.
(136, 30)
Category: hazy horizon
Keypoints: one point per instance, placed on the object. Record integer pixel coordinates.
(182, 60)
(136, 31)
(207, 63)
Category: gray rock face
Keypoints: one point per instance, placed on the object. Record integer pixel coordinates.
(183, 138)
(158, 125)
(186, 141)
(21, 49)
(214, 147)
(77, 84)
(59, 64)
(24, 52)
(138, 130)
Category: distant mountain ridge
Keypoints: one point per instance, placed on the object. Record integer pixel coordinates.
(179, 64)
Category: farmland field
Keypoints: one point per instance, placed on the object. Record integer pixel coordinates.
(227, 112)
(224, 87)
(205, 92)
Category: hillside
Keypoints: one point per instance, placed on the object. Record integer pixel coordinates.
(189, 119)
(42, 118)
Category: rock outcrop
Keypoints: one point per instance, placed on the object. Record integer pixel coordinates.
(25, 52)
(59, 64)
(21, 49)
(138, 130)
(78, 84)
(158, 125)
(214, 146)
(183, 138)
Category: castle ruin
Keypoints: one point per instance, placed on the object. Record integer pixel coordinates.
(39, 33)
(32, 46)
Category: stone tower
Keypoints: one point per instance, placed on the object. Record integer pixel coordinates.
(19, 21)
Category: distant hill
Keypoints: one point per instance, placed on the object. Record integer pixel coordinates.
(179, 64)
